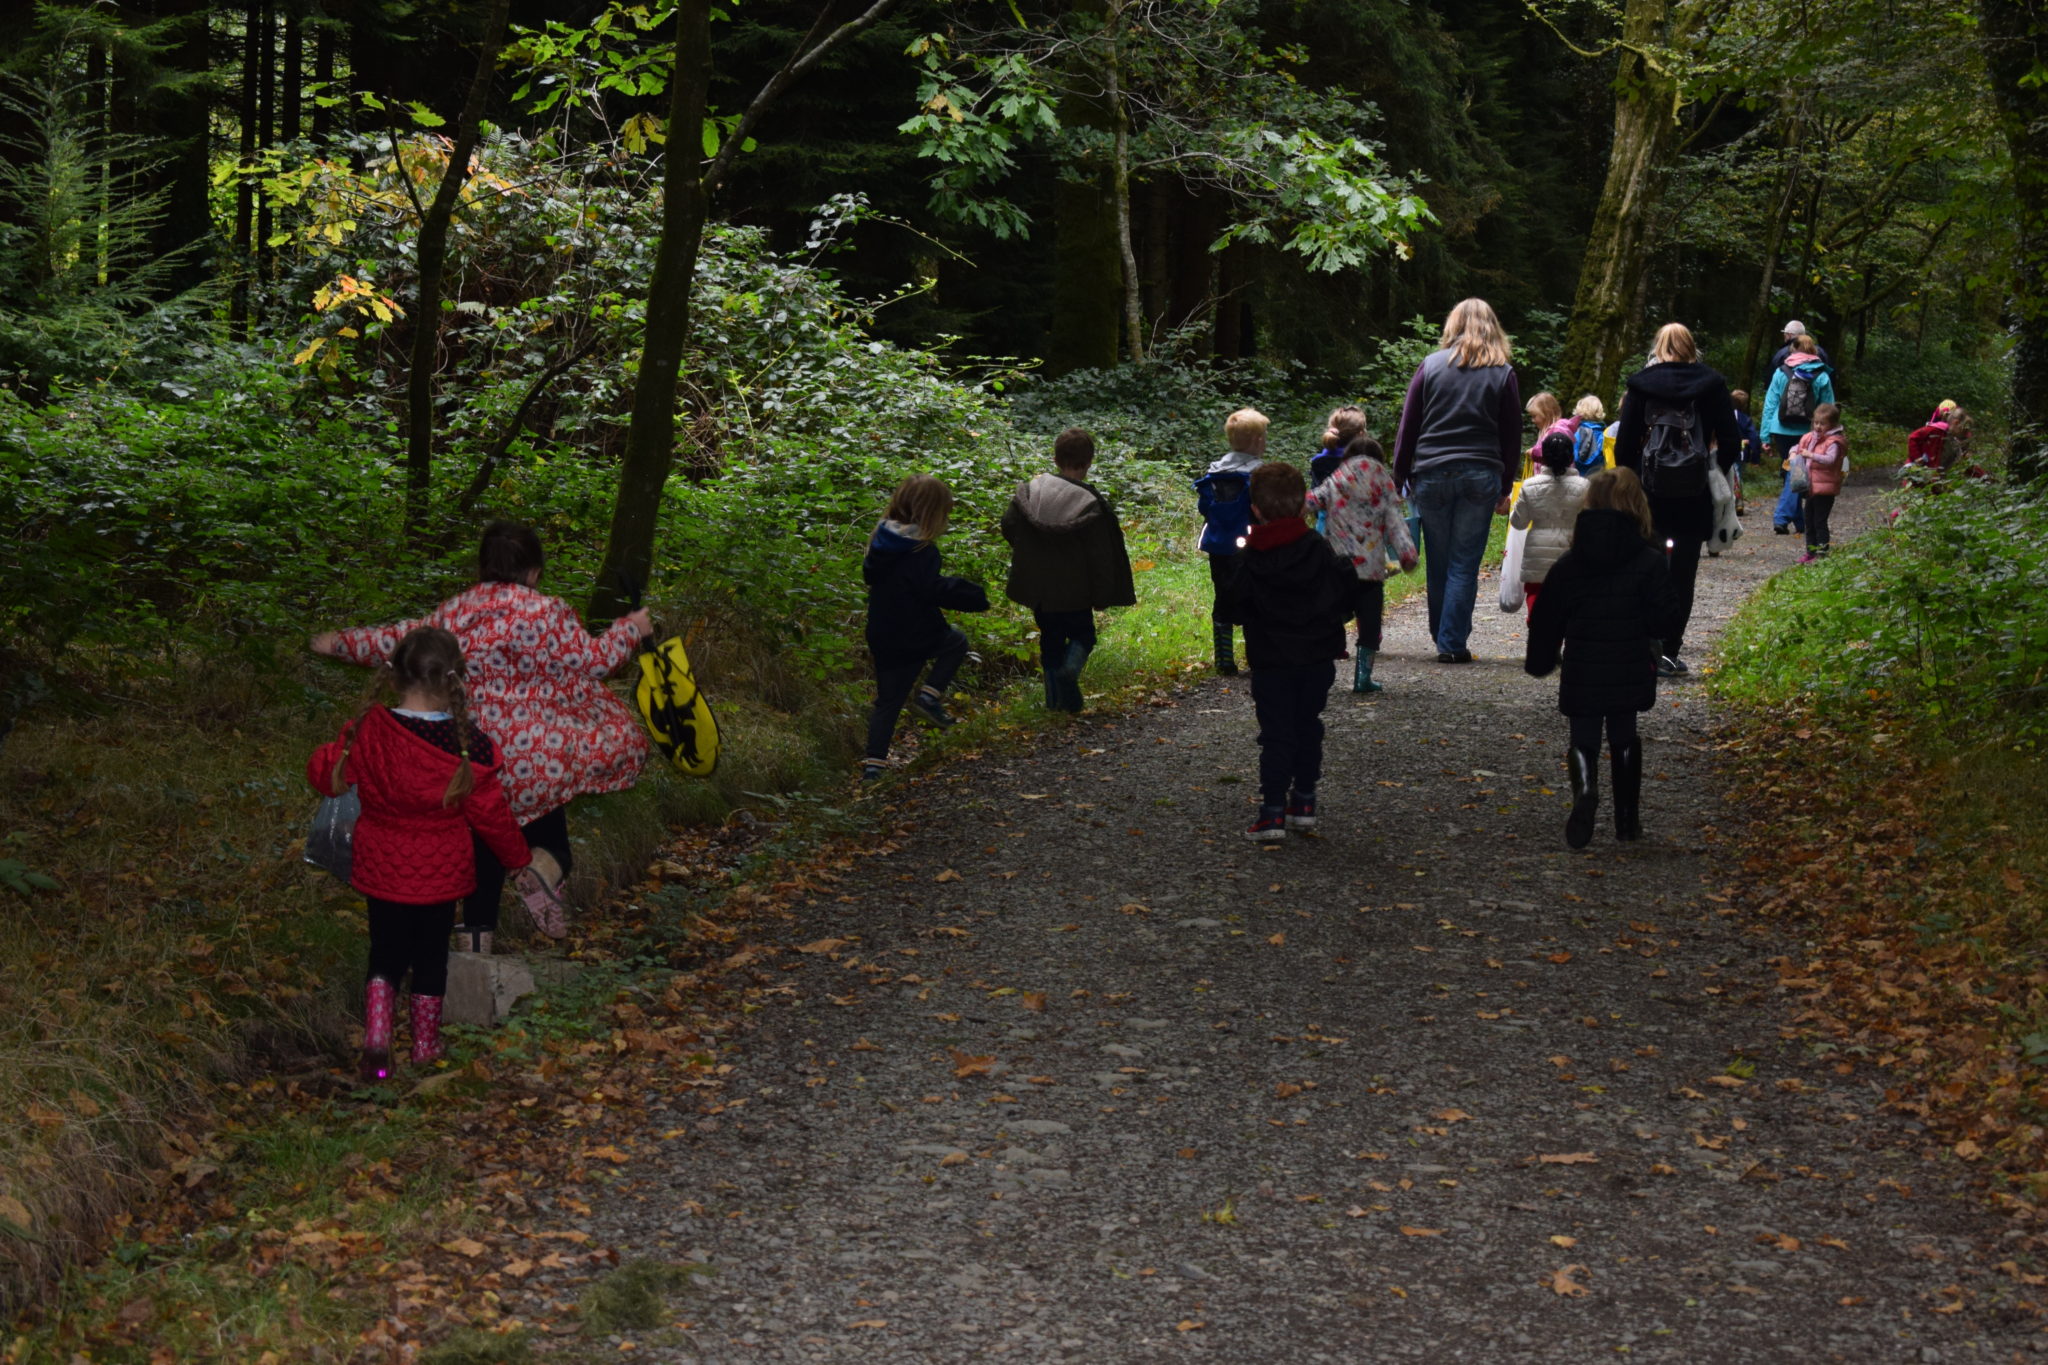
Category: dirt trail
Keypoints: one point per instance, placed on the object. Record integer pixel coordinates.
(1428, 1086)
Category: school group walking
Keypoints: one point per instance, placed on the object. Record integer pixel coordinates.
(491, 713)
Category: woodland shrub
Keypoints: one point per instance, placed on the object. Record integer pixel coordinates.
(1936, 616)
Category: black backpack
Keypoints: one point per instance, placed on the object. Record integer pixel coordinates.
(1796, 403)
(1674, 452)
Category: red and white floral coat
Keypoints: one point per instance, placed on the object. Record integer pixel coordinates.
(536, 687)
(1365, 524)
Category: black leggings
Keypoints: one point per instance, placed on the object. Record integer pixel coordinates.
(1819, 506)
(411, 938)
(1621, 731)
(894, 683)
(1371, 608)
(1685, 572)
(550, 831)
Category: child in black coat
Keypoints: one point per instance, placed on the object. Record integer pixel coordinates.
(1606, 605)
(1292, 594)
(907, 599)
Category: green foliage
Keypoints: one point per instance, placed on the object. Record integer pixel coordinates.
(1935, 617)
(634, 1297)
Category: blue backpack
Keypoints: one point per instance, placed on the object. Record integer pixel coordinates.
(1587, 456)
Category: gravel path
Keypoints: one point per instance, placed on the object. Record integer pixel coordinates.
(1428, 1086)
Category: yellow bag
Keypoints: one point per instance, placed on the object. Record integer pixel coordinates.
(678, 717)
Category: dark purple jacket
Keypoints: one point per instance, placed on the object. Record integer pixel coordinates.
(1457, 416)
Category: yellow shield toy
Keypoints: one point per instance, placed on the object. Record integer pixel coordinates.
(677, 715)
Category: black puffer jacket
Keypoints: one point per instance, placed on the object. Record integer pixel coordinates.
(1066, 548)
(1606, 605)
(1292, 594)
(1706, 392)
(908, 596)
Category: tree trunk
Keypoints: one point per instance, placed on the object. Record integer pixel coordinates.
(266, 123)
(1759, 317)
(188, 214)
(1606, 317)
(432, 256)
(1229, 331)
(2015, 38)
(1158, 256)
(323, 76)
(293, 82)
(245, 192)
(1087, 287)
(1135, 339)
(651, 434)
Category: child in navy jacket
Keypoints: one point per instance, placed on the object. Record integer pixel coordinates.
(907, 601)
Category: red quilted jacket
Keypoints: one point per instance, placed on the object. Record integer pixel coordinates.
(408, 847)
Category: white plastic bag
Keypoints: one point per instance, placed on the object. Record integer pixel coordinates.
(1511, 592)
(1727, 526)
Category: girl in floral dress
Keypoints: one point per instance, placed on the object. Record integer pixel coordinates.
(1365, 522)
(536, 688)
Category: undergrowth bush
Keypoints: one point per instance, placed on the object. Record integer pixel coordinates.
(1935, 615)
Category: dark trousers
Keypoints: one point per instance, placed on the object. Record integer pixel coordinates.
(1819, 506)
(1684, 560)
(549, 831)
(1371, 607)
(1057, 630)
(411, 938)
(1289, 704)
(1621, 731)
(894, 681)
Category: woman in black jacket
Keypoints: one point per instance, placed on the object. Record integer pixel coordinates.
(1675, 409)
(1605, 606)
(907, 601)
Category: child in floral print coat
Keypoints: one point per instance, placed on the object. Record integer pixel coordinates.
(1364, 523)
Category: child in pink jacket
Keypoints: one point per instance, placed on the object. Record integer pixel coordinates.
(1825, 449)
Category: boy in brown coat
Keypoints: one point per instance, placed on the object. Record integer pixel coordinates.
(1067, 561)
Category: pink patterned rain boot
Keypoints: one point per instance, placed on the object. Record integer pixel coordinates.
(426, 1028)
(380, 999)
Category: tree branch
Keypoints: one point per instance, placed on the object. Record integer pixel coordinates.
(800, 61)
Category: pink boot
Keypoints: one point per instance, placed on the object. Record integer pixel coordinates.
(380, 999)
(426, 1028)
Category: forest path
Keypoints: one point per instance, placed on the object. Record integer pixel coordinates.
(1328, 1101)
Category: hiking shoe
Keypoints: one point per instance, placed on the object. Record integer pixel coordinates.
(932, 709)
(1671, 666)
(1444, 656)
(1780, 530)
(1301, 812)
(874, 770)
(1807, 558)
(1462, 656)
(1270, 827)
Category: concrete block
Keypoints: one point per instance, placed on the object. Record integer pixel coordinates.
(482, 990)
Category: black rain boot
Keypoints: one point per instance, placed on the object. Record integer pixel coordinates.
(1052, 690)
(1578, 826)
(1226, 648)
(1069, 678)
(1626, 767)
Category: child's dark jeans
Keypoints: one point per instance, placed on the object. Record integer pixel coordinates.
(1289, 703)
(1819, 507)
(893, 685)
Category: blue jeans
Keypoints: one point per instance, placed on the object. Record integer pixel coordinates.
(1791, 508)
(1456, 505)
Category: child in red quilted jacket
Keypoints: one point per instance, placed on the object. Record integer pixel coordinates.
(426, 778)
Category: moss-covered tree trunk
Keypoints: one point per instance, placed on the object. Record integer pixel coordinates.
(1087, 252)
(2013, 34)
(1606, 323)
(651, 433)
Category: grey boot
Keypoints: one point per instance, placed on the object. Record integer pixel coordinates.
(1226, 648)
(1069, 678)
(1361, 672)
(1578, 826)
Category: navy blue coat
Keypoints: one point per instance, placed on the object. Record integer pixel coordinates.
(908, 596)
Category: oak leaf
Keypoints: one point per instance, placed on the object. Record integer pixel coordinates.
(965, 1065)
(1566, 1282)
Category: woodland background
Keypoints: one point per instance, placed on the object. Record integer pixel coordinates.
(295, 293)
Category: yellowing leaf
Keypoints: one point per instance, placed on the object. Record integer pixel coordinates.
(1566, 1242)
(1033, 1001)
(1407, 1231)
(823, 945)
(1566, 1282)
(965, 1065)
(949, 875)
(465, 1246)
(1567, 1158)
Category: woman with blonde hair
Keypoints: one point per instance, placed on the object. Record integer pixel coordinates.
(1676, 418)
(1456, 455)
(1604, 610)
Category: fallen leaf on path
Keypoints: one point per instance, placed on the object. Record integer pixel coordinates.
(949, 875)
(1782, 1241)
(823, 945)
(1033, 1001)
(1727, 1082)
(1407, 1231)
(1450, 1115)
(1566, 1242)
(965, 1065)
(1189, 1325)
(870, 1322)
(953, 1159)
(1565, 1282)
(465, 1246)
(1567, 1158)
(1277, 940)
(1968, 1150)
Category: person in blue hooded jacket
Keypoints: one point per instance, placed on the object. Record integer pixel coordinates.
(1224, 496)
(907, 601)
(1798, 387)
